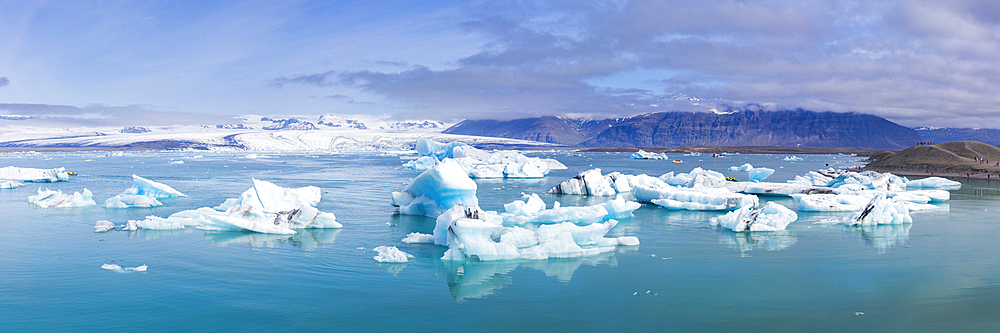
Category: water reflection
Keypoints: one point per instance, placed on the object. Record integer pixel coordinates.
(884, 236)
(749, 241)
(306, 239)
(478, 279)
(154, 234)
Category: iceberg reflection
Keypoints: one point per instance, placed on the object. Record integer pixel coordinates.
(306, 239)
(883, 236)
(478, 279)
(749, 241)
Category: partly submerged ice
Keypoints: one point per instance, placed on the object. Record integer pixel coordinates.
(645, 155)
(532, 210)
(49, 198)
(117, 268)
(880, 210)
(933, 182)
(391, 254)
(771, 217)
(143, 194)
(481, 164)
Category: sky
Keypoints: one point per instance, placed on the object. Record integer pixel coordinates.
(917, 63)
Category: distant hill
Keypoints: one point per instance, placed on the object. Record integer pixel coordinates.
(793, 128)
(941, 135)
(958, 158)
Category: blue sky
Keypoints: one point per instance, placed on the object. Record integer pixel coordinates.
(918, 63)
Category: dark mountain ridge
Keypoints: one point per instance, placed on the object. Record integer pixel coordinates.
(790, 128)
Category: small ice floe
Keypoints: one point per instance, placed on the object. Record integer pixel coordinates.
(418, 238)
(683, 198)
(177, 162)
(755, 175)
(103, 226)
(589, 182)
(9, 184)
(933, 182)
(117, 268)
(771, 217)
(391, 254)
(437, 190)
(645, 155)
(792, 158)
(532, 210)
(34, 175)
(49, 199)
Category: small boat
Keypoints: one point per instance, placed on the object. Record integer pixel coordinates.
(677, 161)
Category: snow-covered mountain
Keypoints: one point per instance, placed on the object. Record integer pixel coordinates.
(331, 132)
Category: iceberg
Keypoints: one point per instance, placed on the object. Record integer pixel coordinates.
(776, 189)
(438, 150)
(681, 198)
(532, 210)
(264, 208)
(418, 238)
(589, 182)
(644, 155)
(817, 178)
(113, 267)
(830, 202)
(9, 184)
(472, 234)
(480, 164)
(792, 158)
(131, 201)
(743, 168)
(143, 194)
(771, 217)
(880, 210)
(422, 163)
(755, 174)
(391, 254)
(437, 190)
(34, 175)
(49, 199)
(933, 182)
(103, 226)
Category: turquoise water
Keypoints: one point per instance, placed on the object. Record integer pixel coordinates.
(941, 273)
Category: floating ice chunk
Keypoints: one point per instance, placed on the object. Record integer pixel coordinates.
(743, 168)
(589, 182)
(758, 174)
(149, 188)
(421, 163)
(644, 155)
(132, 201)
(154, 223)
(870, 180)
(933, 182)
(473, 239)
(34, 175)
(680, 198)
(771, 217)
(791, 158)
(554, 164)
(49, 199)
(830, 202)
(437, 149)
(817, 178)
(418, 238)
(9, 184)
(776, 189)
(391, 254)
(617, 208)
(880, 210)
(271, 198)
(103, 226)
(113, 267)
(177, 162)
(437, 190)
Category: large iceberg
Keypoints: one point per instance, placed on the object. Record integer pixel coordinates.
(532, 210)
(49, 198)
(755, 175)
(589, 182)
(472, 234)
(143, 193)
(34, 175)
(437, 190)
(771, 217)
(880, 210)
(264, 208)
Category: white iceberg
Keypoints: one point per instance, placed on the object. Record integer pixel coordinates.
(817, 178)
(391, 254)
(422, 163)
(103, 226)
(480, 164)
(681, 198)
(34, 175)
(791, 158)
(644, 155)
(532, 210)
(771, 217)
(830, 202)
(131, 201)
(933, 182)
(113, 267)
(143, 194)
(880, 210)
(589, 182)
(776, 189)
(49, 199)
(743, 168)
(756, 175)
(264, 208)
(418, 238)
(437, 190)
(9, 184)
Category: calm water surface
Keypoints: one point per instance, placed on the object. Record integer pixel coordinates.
(940, 273)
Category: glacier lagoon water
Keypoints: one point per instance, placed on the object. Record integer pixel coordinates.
(940, 273)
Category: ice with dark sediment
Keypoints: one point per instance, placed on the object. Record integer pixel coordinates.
(880, 210)
(645, 155)
(771, 217)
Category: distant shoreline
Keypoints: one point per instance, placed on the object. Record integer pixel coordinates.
(748, 150)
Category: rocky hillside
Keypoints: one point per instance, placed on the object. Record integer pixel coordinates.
(796, 128)
(947, 159)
